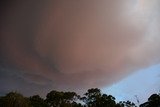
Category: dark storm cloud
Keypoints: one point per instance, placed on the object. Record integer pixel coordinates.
(70, 44)
(12, 80)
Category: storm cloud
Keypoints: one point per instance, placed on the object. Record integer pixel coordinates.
(76, 44)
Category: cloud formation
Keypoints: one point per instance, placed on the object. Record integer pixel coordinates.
(73, 44)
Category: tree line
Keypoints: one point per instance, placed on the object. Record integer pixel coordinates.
(92, 98)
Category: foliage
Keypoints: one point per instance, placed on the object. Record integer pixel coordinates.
(153, 101)
(126, 104)
(62, 99)
(92, 98)
(37, 101)
(14, 99)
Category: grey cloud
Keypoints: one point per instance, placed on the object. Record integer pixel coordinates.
(73, 44)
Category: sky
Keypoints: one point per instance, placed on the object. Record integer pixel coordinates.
(76, 45)
(136, 86)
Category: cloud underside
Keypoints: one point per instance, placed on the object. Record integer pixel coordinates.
(74, 44)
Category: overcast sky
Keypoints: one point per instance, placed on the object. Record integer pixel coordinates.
(76, 44)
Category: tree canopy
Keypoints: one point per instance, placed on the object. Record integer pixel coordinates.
(92, 98)
(153, 101)
(14, 99)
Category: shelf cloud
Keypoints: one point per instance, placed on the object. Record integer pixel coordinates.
(76, 44)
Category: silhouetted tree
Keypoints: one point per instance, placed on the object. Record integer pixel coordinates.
(37, 101)
(1, 101)
(126, 104)
(62, 99)
(108, 101)
(153, 101)
(14, 99)
(94, 98)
